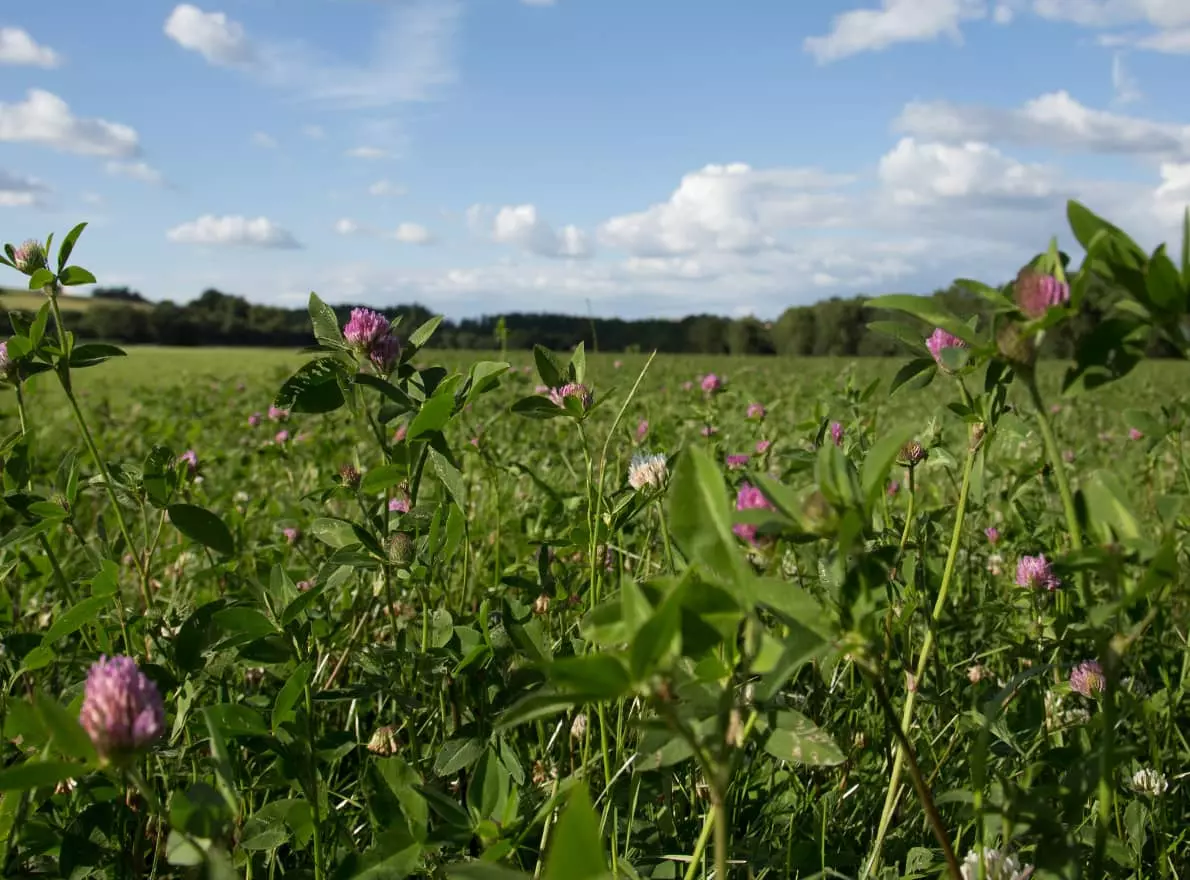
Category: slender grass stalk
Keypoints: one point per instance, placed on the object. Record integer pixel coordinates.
(923, 661)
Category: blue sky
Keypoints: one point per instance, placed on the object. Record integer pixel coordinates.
(633, 157)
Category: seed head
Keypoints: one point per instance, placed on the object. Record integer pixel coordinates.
(384, 742)
(912, 454)
(122, 710)
(8, 367)
(349, 476)
(400, 549)
(1015, 347)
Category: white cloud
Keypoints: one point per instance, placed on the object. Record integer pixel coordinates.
(386, 188)
(732, 208)
(412, 59)
(897, 21)
(314, 132)
(18, 48)
(1003, 14)
(233, 230)
(213, 35)
(369, 153)
(264, 141)
(19, 191)
(522, 227)
(412, 233)
(44, 118)
(1171, 42)
(347, 226)
(1172, 196)
(1126, 89)
(1055, 120)
(924, 173)
(1110, 13)
(141, 171)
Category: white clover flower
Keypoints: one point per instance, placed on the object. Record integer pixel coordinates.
(996, 865)
(647, 471)
(1149, 782)
(1059, 714)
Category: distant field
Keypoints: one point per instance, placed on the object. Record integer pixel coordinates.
(14, 299)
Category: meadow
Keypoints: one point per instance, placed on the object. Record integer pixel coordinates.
(375, 610)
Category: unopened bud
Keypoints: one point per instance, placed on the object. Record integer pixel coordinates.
(29, 257)
(912, 454)
(400, 549)
(349, 476)
(1016, 348)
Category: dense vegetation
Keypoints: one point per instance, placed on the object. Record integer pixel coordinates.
(396, 613)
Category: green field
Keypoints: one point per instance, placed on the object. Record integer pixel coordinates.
(14, 299)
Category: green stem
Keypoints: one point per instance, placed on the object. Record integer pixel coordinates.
(719, 811)
(923, 660)
(319, 865)
(700, 846)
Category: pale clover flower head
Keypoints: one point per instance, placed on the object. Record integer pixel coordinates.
(1149, 782)
(572, 389)
(8, 366)
(122, 711)
(647, 472)
(939, 341)
(1087, 678)
(30, 256)
(997, 865)
(1035, 572)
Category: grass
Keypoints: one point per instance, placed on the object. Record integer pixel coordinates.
(15, 299)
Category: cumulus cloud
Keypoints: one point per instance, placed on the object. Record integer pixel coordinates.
(20, 49)
(733, 208)
(412, 59)
(522, 227)
(369, 153)
(405, 233)
(412, 233)
(926, 173)
(141, 171)
(1055, 120)
(1111, 13)
(44, 118)
(258, 232)
(896, 21)
(19, 191)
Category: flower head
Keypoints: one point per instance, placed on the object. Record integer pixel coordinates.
(1087, 678)
(364, 328)
(650, 471)
(912, 454)
(1135, 434)
(385, 353)
(711, 383)
(191, 459)
(617, 364)
(29, 257)
(8, 367)
(281, 438)
(291, 534)
(756, 411)
(837, 433)
(708, 430)
(687, 385)
(122, 710)
(748, 497)
(736, 462)
(572, 389)
(276, 414)
(996, 866)
(993, 535)
(940, 340)
(1149, 782)
(400, 504)
(1036, 293)
(762, 446)
(1035, 572)
(642, 430)
(254, 420)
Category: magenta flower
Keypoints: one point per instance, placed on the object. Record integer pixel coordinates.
(474, 441)
(572, 389)
(1135, 434)
(1087, 678)
(642, 431)
(191, 459)
(365, 328)
(398, 505)
(276, 414)
(399, 434)
(837, 433)
(281, 438)
(939, 341)
(1036, 573)
(736, 462)
(122, 710)
(763, 446)
(1036, 293)
(748, 497)
(254, 420)
(385, 353)
(711, 383)
(29, 257)
(7, 366)
(893, 487)
(709, 431)
(756, 411)
(291, 534)
(993, 535)
(302, 586)
(542, 389)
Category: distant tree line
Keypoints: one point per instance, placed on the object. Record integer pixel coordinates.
(834, 326)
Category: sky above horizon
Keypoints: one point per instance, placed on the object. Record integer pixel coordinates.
(622, 157)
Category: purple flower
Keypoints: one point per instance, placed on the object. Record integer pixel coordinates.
(1036, 573)
(385, 353)
(993, 535)
(399, 434)
(711, 383)
(29, 257)
(837, 433)
(756, 411)
(191, 459)
(748, 497)
(302, 586)
(940, 340)
(7, 367)
(1087, 678)
(1135, 434)
(281, 438)
(735, 462)
(1037, 293)
(254, 420)
(122, 710)
(365, 328)
(762, 446)
(276, 414)
(709, 431)
(893, 487)
(291, 534)
(642, 431)
(572, 389)
(398, 505)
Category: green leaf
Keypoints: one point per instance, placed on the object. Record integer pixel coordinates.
(41, 278)
(1108, 506)
(74, 617)
(72, 276)
(290, 693)
(422, 334)
(538, 407)
(67, 247)
(37, 774)
(316, 387)
(880, 460)
(658, 634)
(224, 774)
(1163, 283)
(381, 478)
(911, 371)
(158, 475)
(394, 856)
(796, 739)
(202, 526)
(578, 362)
(549, 368)
(337, 533)
(928, 310)
(235, 719)
(91, 353)
(457, 754)
(602, 676)
(484, 376)
(576, 852)
(244, 622)
(325, 323)
(433, 416)
(541, 704)
(66, 734)
(1186, 250)
(700, 517)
